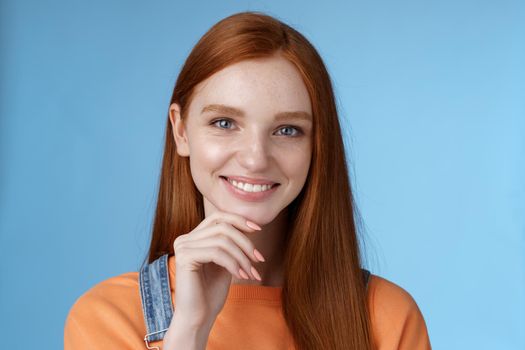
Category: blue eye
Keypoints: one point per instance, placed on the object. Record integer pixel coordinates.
(289, 127)
(224, 122)
(221, 120)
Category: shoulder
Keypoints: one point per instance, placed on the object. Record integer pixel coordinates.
(387, 297)
(110, 295)
(396, 318)
(110, 312)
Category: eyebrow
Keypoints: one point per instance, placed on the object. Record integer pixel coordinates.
(301, 115)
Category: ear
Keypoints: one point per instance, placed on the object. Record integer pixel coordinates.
(179, 131)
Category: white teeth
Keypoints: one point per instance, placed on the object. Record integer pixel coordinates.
(249, 187)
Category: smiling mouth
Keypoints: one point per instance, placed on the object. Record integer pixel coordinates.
(248, 187)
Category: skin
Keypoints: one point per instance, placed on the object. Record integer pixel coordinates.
(254, 146)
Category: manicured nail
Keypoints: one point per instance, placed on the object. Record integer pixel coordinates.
(252, 225)
(243, 274)
(258, 255)
(256, 274)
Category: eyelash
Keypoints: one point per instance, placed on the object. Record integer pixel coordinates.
(299, 131)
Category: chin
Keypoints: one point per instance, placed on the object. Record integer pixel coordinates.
(260, 213)
(258, 218)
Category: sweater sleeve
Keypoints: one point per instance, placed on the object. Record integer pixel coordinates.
(397, 320)
(108, 316)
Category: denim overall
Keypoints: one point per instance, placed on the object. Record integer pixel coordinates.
(155, 295)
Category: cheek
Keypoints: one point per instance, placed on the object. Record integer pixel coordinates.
(209, 153)
(206, 156)
(296, 164)
(205, 148)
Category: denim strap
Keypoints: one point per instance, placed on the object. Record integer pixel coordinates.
(155, 295)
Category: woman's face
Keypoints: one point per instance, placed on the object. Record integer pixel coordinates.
(252, 119)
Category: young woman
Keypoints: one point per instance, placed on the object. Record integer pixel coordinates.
(254, 243)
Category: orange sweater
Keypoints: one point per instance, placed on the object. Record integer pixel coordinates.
(109, 316)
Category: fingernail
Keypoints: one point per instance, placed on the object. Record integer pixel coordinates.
(243, 274)
(256, 274)
(258, 255)
(252, 225)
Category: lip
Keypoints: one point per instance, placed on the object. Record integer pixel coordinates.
(250, 180)
(248, 196)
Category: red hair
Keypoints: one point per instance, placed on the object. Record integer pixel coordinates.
(324, 295)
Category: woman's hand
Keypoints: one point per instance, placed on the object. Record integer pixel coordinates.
(205, 259)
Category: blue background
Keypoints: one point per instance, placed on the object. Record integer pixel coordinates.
(432, 98)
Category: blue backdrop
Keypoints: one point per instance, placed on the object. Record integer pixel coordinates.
(432, 98)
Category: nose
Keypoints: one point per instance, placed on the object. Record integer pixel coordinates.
(253, 153)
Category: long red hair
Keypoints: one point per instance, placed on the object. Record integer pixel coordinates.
(324, 296)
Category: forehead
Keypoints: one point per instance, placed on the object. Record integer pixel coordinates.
(265, 85)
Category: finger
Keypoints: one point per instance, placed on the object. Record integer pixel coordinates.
(237, 236)
(215, 254)
(227, 244)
